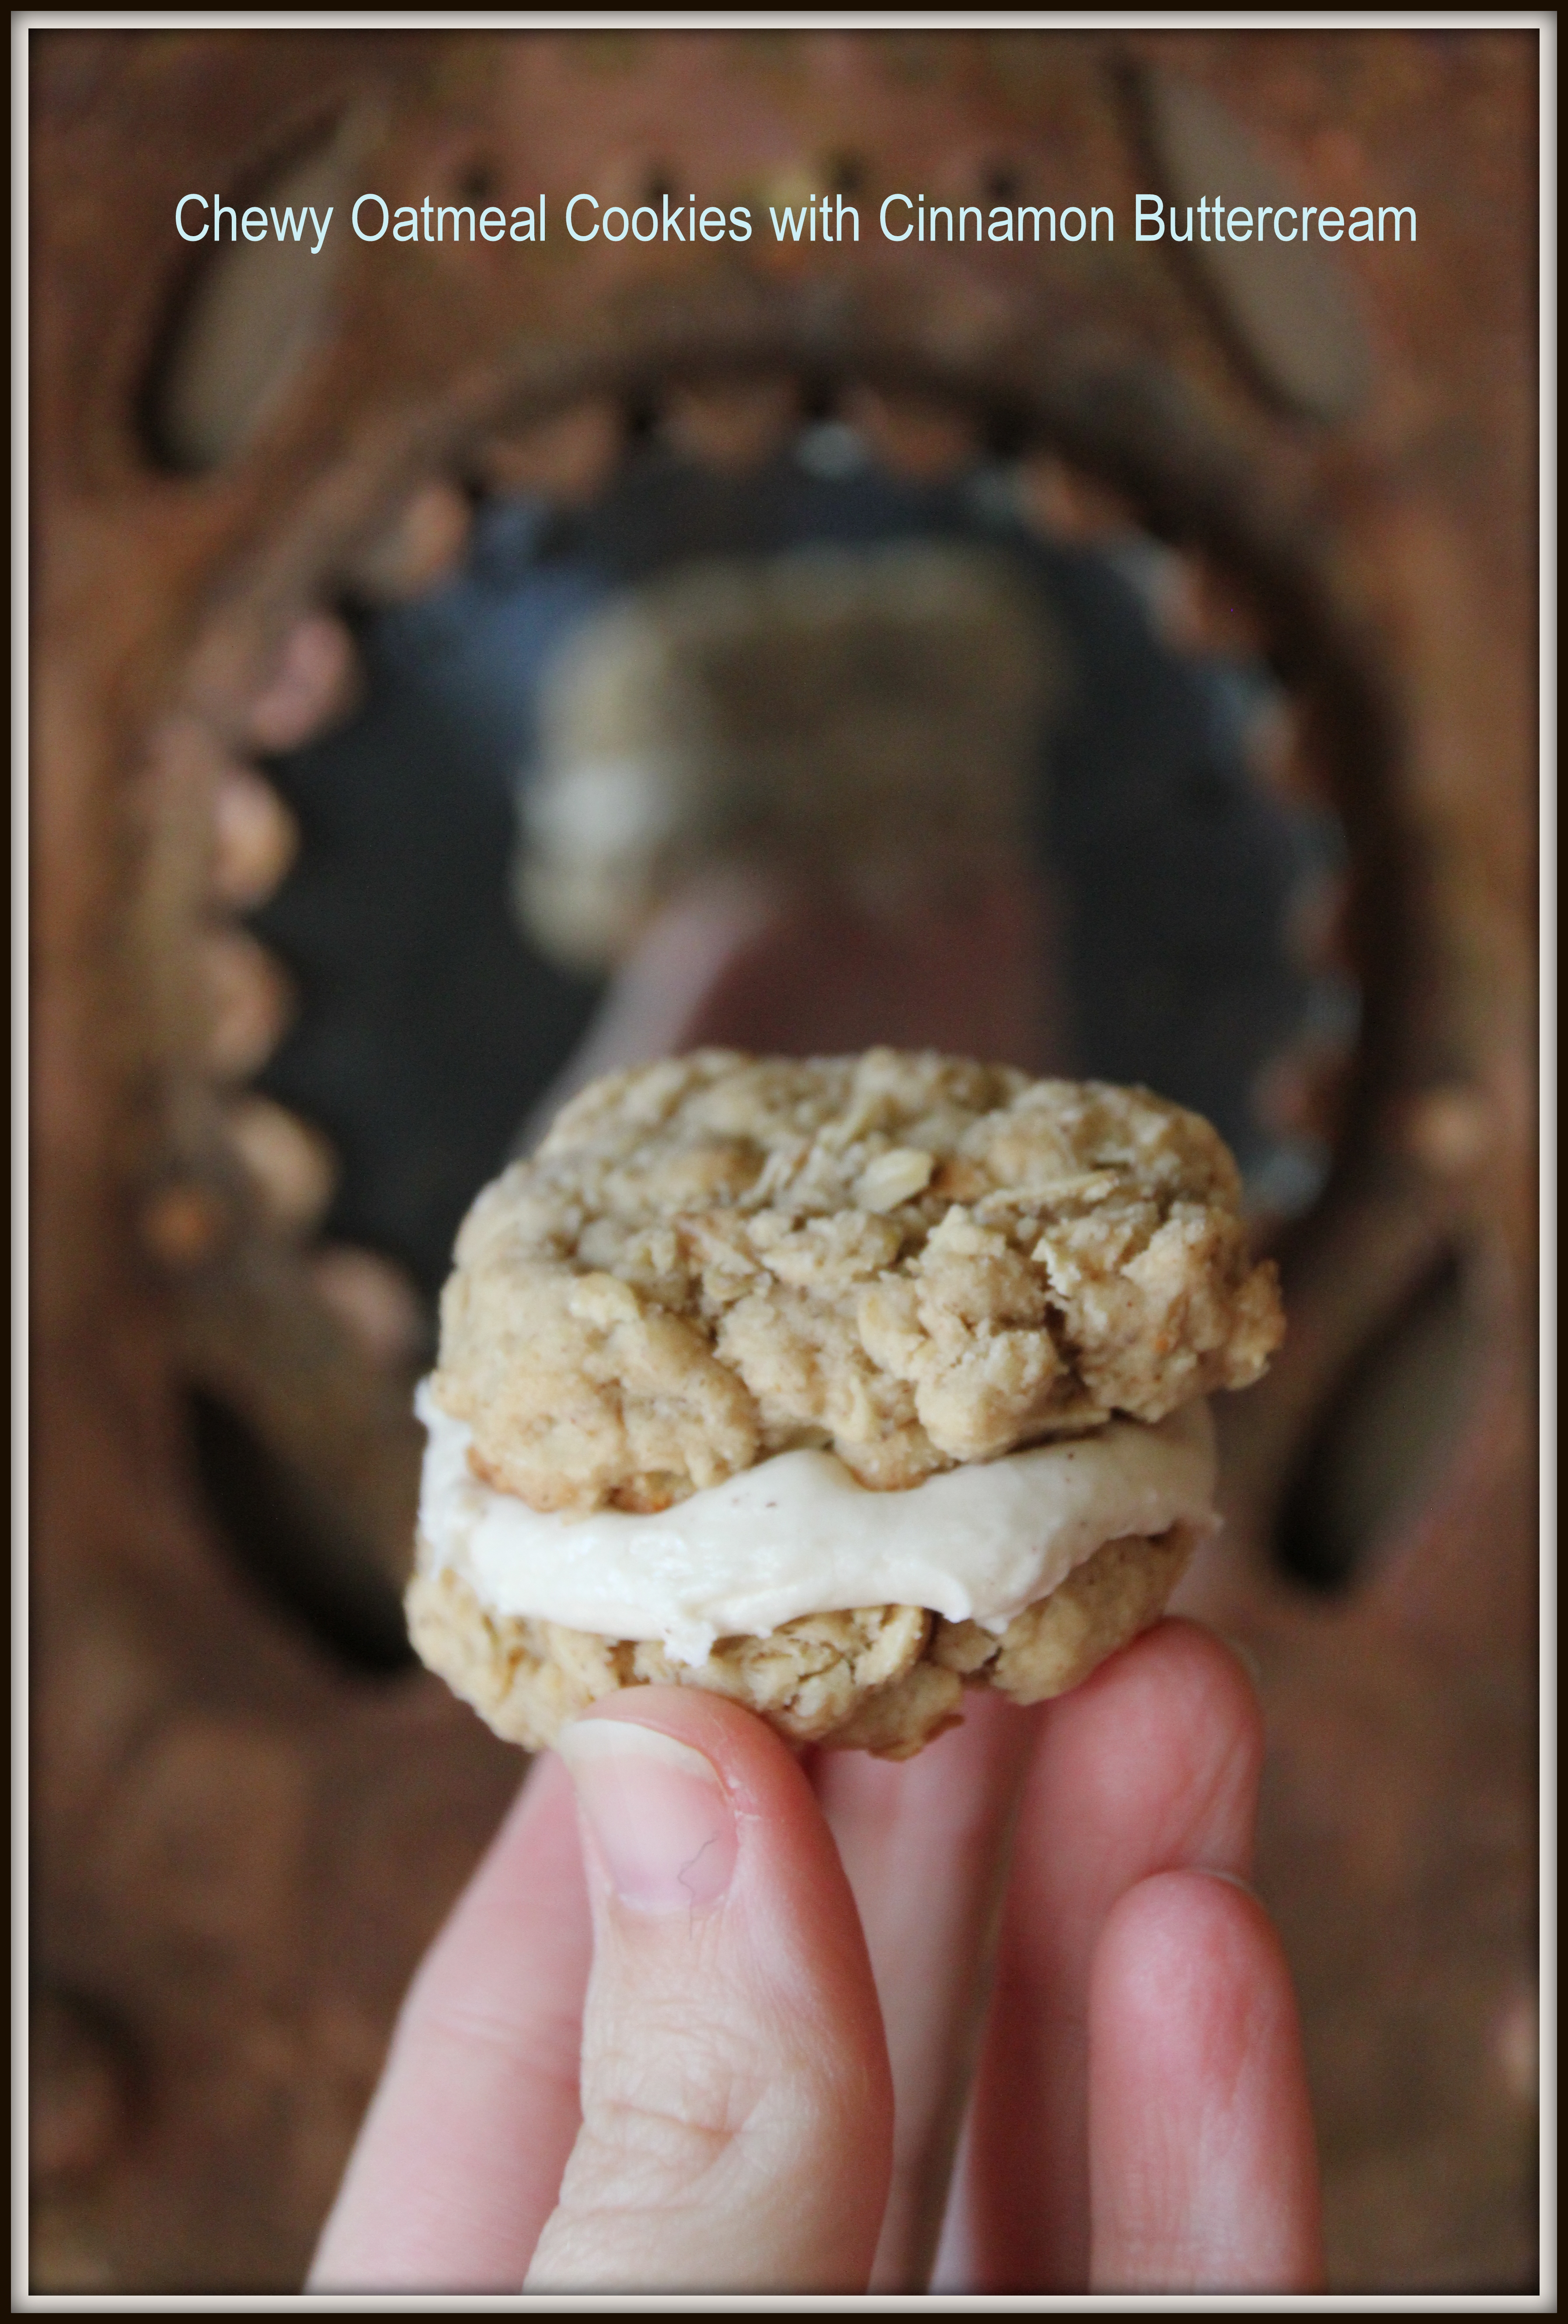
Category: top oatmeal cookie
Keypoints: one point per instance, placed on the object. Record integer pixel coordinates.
(912, 1259)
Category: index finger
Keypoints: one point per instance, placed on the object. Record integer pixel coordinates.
(925, 1844)
(459, 2160)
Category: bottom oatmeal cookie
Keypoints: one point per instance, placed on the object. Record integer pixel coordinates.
(884, 1679)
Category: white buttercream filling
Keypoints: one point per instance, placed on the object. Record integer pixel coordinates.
(797, 1535)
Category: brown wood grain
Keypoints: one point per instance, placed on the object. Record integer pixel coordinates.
(241, 1846)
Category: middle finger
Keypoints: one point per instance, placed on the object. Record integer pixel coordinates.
(1151, 1766)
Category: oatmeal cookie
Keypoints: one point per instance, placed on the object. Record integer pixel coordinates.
(884, 1679)
(912, 1259)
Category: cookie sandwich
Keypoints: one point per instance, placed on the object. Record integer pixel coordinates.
(834, 1385)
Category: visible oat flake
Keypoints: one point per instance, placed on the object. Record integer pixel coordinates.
(916, 1260)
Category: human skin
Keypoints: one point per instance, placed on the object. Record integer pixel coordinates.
(655, 2046)
(604, 2083)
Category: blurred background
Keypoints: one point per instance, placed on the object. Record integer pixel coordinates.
(442, 998)
(461, 670)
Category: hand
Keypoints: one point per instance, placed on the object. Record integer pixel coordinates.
(657, 2060)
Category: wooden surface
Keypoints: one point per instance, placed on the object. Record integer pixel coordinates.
(242, 1840)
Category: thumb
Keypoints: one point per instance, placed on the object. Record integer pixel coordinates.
(737, 2103)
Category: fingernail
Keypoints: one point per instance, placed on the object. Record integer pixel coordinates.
(660, 1818)
(1245, 1655)
(1231, 1880)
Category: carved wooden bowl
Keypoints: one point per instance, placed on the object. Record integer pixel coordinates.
(245, 1837)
